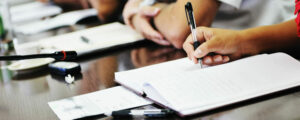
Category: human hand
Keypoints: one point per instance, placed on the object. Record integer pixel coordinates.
(131, 8)
(141, 23)
(139, 19)
(227, 44)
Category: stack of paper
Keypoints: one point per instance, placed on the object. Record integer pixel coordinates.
(96, 103)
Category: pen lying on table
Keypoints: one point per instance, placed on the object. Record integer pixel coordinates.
(145, 113)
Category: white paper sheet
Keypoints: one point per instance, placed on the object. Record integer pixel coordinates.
(100, 37)
(65, 19)
(95, 103)
(33, 11)
(189, 89)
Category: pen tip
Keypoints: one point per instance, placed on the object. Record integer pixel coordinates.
(200, 62)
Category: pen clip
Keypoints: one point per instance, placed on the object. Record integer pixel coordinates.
(144, 95)
(189, 15)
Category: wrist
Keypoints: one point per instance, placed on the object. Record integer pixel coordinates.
(248, 44)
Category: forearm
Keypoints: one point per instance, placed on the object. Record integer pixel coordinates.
(277, 37)
(107, 9)
(69, 5)
(172, 22)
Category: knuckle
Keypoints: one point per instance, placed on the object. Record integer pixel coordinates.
(204, 47)
(202, 28)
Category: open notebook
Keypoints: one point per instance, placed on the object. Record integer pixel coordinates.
(96, 38)
(188, 89)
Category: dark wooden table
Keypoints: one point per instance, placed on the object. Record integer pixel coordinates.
(24, 96)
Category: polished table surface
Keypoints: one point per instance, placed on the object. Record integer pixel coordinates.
(25, 94)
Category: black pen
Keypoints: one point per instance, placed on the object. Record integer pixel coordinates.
(192, 23)
(144, 113)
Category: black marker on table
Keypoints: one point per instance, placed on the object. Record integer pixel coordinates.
(192, 23)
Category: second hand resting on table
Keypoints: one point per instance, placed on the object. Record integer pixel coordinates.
(231, 44)
(134, 14)
(166, 25)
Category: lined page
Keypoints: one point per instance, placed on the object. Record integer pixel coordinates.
(241, 79)
(136, 78)
(187, 87)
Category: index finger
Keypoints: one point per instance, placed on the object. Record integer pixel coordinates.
(188, 44)
(188, 47)
(149, 11)
(128, 16)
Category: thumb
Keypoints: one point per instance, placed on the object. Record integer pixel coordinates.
(149, 11)
(207, 47)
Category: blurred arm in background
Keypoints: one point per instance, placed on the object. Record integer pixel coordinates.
(108, 10)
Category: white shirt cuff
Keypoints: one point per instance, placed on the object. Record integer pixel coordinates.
(234, 3)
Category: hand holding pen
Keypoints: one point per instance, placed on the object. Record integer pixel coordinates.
(205, 42)
(226, 44)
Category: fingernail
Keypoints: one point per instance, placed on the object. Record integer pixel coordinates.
(159, 36)
(164, 42)
(195, 60)
(156, 10)
(207, 61)
(197, 53)
(218, 59)
(226, 59)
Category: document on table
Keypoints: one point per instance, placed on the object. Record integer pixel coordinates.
(212, 87)
(98, 38)
(33, 11)
(96, 103)
(62, 20)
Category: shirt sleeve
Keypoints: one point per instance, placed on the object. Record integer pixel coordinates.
(234, 3)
